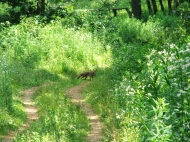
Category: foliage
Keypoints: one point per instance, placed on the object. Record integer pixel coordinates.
(150, 59)
(33, 54)
(141, 90)
(150, 105)
(16, 9)
(5, 84)
(14, 119)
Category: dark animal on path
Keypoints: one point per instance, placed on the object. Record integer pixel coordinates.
(86, 74)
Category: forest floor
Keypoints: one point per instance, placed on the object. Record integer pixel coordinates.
(74, 93)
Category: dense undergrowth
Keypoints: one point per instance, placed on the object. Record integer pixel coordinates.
(33, 54)
(146, 98)
(141, 90)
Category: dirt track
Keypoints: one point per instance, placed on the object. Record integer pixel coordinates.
(74, 93)
(31, 112)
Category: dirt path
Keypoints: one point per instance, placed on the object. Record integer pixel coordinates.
(31, 112)
(74, 93)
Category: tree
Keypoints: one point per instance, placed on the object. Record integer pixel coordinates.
(149, 6)
(136, 8)
(14, 3)
(154, 6)
(161, 4)
(170, 5)
(41, 6)
(176, 3)
(23, 7)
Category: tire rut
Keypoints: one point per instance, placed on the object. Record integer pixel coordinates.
(77, 98)
(30, 110)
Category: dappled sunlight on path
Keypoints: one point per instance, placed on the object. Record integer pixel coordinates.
(30, 110)
(74, 93)
(76, 97)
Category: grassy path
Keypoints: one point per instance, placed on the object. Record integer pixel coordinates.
(74, 93)
(31, 112)
(77, 98)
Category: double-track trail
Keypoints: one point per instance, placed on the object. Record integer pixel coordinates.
(74, 93)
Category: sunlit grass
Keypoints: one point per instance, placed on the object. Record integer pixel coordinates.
(133, 81)
(59, 119)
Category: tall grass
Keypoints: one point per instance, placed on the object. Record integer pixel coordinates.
(35, 54)
(140, 91)
(145, 98)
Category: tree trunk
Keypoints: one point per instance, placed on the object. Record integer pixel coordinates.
(136, 8)
(154, 6)
(149, 6)
(176, 3)
(161, 4)
(170, 5)
(40, 6)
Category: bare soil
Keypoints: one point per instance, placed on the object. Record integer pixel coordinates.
(31, 112)
(76, 96)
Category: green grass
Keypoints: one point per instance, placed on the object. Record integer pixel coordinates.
(86, 4)
(140, 90)
(38, 54)
(59, 119)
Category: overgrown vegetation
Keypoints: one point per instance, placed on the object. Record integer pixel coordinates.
(59, 119)
(142, 86)
(34, 54)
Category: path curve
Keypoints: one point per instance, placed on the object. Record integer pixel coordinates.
(30, 110)
(77, 98)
